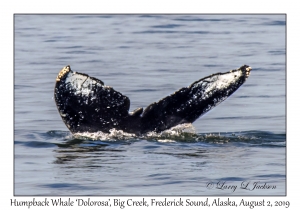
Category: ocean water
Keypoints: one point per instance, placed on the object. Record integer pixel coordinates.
(241, 142)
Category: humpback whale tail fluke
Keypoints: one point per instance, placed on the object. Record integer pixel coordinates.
(86, 104)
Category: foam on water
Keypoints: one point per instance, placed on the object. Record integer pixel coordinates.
(114, 134)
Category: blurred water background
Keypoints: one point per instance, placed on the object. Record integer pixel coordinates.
(147, 57)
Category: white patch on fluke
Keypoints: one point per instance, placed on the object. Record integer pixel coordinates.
(216, 83)
(81, 84)
(221, 82)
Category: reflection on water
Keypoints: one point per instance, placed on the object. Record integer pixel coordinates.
(173, 161)
(186, 145)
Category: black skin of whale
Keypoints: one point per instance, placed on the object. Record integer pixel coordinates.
(87, 105)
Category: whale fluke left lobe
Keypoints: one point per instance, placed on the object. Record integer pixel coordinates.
(86, 104)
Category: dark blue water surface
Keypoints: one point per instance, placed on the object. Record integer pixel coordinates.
(147, 57)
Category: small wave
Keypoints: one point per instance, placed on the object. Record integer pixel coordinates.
(180, 133)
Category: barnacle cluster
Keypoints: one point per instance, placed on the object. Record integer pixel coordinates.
(62, 72)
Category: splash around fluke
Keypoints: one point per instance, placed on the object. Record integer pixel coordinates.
(87, 105)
